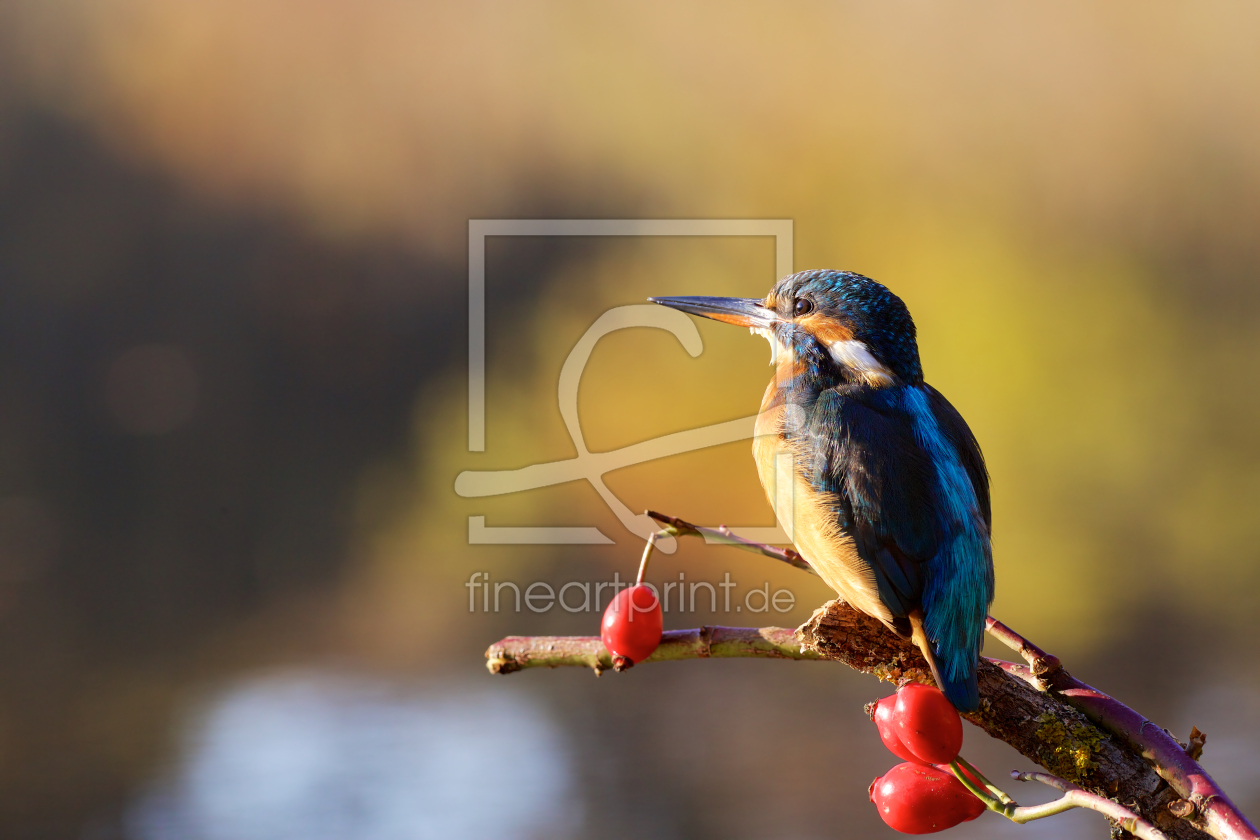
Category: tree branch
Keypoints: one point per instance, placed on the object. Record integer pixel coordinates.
(1209, 808)
(1042, 726)
(517, 652)
(1039, 709)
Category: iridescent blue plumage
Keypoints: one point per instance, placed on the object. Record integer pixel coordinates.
(898, 515)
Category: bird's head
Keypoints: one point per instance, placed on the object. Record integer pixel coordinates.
(837, 324)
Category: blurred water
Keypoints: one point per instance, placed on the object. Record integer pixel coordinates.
(324, 756)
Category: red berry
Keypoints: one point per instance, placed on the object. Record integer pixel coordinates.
(921, 799)
(927, 724)
(885, 723)
(632, 623)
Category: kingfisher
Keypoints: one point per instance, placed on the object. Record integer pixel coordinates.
(875, 477)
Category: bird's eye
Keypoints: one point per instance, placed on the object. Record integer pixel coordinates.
(803, 306)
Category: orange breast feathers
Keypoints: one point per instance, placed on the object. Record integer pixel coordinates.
(806, 515)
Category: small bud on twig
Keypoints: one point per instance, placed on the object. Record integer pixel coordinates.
(1197, 739)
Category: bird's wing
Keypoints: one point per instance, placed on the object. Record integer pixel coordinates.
(863, 450)
(958, 433)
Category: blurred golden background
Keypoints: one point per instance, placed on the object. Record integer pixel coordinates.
(233, 338)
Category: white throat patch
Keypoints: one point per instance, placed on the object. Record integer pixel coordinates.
(768, 334)
(855, 356)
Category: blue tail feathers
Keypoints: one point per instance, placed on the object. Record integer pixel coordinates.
(953, 667)
(956, 638)
(962, 691)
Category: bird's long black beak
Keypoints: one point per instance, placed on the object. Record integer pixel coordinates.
(743, 312)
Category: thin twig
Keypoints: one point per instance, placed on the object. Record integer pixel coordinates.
(1076, 797)
(985, 792)
(992, 788)
(722, 536)
(647, 555)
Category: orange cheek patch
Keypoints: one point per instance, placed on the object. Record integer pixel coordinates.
(824, 329)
